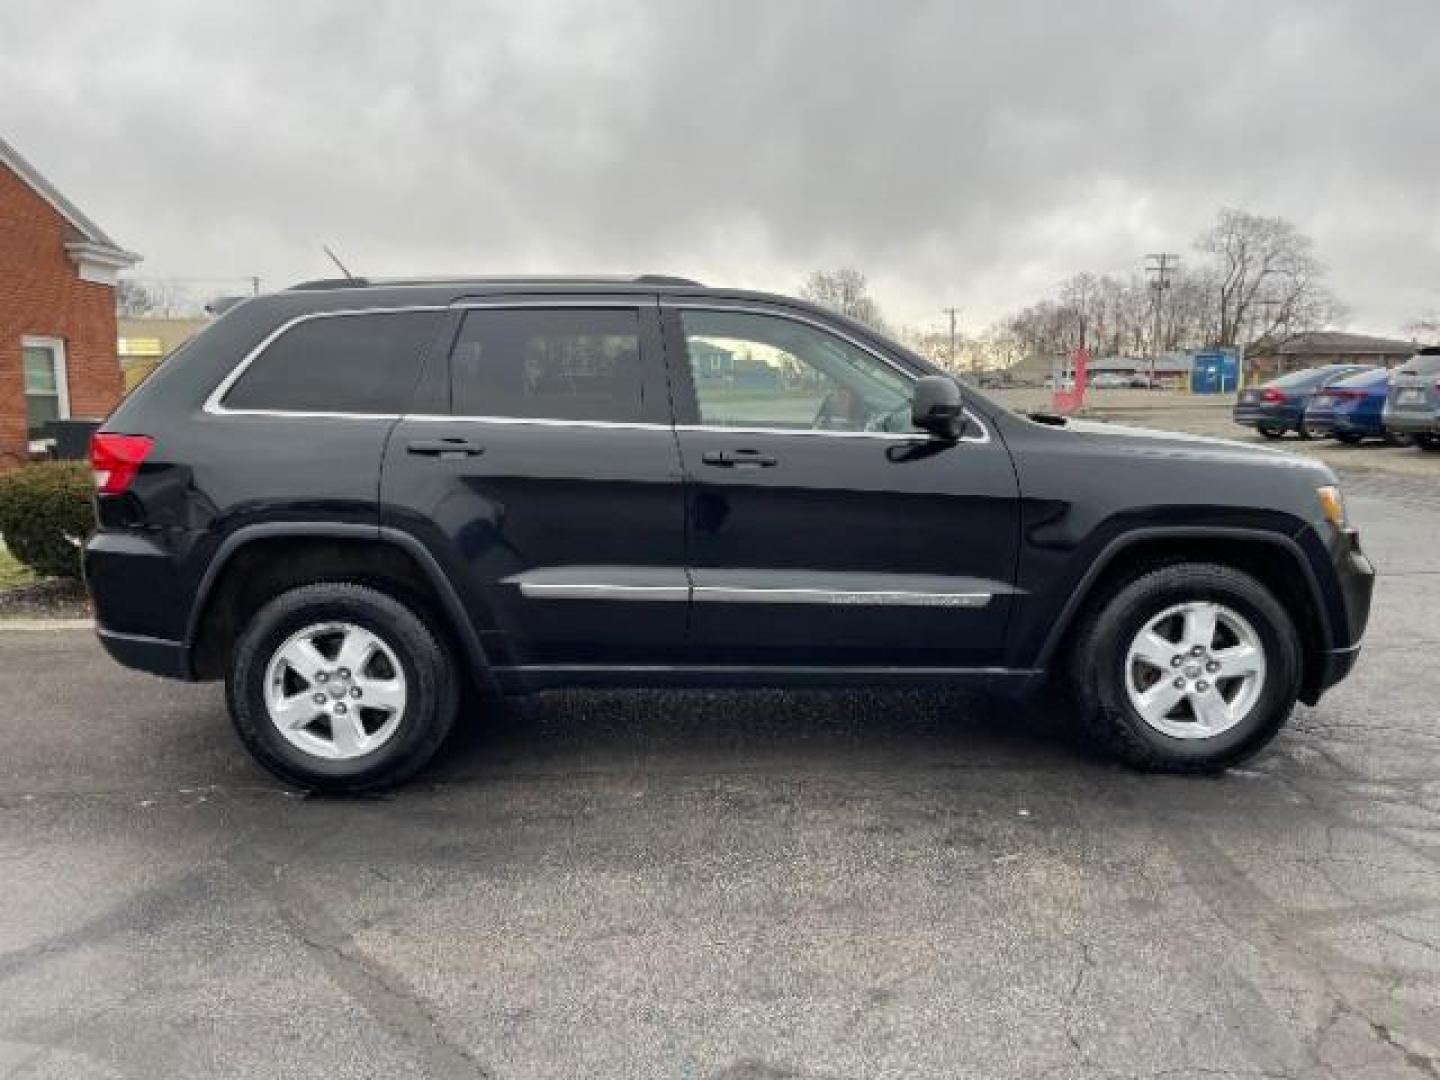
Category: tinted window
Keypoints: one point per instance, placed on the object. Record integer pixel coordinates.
(764, 371)
(1309, 377)
(339, 364)
(549, 363)
(1365, 378)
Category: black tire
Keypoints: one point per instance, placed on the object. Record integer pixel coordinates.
(1428, 443)
(1271, 432)
(1097, 668)
(1306, 432)
(432, 687)
(1399, 438)
(1349, 438)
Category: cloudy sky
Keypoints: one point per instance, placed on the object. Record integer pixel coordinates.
(958, 153)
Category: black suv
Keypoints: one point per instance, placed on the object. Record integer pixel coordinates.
(355, 500)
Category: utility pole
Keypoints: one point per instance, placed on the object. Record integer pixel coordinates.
(255, 285)
(1159, 266)
(952, 312)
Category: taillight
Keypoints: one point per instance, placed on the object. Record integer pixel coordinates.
(115, 460)
(1272, 395)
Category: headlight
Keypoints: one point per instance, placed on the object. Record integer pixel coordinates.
(1332, 505)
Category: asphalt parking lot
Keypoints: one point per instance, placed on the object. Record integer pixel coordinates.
(756, 886)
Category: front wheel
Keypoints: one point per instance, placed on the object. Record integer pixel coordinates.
(340, 687)
(1189, 668)
(1428, 443)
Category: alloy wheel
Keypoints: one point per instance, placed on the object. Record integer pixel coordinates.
(335, 690)
(1195, 670)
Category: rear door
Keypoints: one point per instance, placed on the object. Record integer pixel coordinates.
(823, 529)
(546, 479)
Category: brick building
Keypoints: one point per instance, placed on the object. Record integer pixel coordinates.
(57, 310)
(1316, 348)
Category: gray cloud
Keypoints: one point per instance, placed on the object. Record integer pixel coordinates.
(958, 153)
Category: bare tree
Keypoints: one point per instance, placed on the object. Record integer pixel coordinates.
(1426, 330)
(845, 291)
(1268, 281)
(140, 299)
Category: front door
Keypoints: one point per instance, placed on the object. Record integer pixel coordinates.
(547, 480)
(823, 529)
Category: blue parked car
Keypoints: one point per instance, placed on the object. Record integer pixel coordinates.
(1351, 409)
(1279, 405)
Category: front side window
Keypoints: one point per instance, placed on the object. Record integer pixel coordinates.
(766, 371)
(46, 398)
(366, 363)
(549, 363)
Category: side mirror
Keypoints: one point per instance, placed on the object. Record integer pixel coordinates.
(936, 406)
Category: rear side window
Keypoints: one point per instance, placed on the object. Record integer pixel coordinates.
(549, 363)
(365, 363)
(1423, 363)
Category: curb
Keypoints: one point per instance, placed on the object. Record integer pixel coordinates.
(20, 622)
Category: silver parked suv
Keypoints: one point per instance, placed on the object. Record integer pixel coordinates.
(1413, 404)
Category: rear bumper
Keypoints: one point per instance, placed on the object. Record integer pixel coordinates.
(155, 655)
(1413, 423)
(1262, 416)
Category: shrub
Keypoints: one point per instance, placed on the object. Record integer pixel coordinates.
(46, 512)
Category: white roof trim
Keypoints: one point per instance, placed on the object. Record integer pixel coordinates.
(94, 244)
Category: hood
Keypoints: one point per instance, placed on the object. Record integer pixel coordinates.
(1149, 441)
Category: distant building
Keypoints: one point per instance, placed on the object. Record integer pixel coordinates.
(1316, 348)
(57, 310)
(1172, 369)
(144, 341)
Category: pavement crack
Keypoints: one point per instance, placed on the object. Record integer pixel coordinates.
(380, 991)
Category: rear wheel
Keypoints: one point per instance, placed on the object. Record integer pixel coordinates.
(1430, 443)
(1399, 438)
(1271, 432)
(1349, 438)
(1188, 668)
(1308, 431)
(340, 687)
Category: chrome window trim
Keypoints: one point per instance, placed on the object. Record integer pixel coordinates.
(214, 404)
(696, 304)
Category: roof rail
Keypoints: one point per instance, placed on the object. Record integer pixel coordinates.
(563, 279)
(330, 283)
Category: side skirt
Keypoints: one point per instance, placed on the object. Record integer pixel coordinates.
(1007, 682)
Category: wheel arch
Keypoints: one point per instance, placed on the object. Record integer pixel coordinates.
(1276, 560)
(256, 562)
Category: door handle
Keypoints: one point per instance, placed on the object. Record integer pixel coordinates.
(739, 459)
(444, 448)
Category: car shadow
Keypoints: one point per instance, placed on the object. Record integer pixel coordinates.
(708, 729)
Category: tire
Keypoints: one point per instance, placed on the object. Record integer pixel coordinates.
(1306, 432)
(409, 677)
(1099, 669)
(1428, 443)
(1271, 432)
(1349, 438)
(1399, 438)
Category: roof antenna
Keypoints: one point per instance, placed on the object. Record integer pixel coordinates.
(336, 260)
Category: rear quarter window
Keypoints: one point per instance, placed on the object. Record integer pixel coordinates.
(363, 363)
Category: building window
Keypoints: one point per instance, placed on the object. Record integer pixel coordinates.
(47, 391)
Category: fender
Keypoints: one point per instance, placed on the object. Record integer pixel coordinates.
(454, 608)
(1115, 547)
